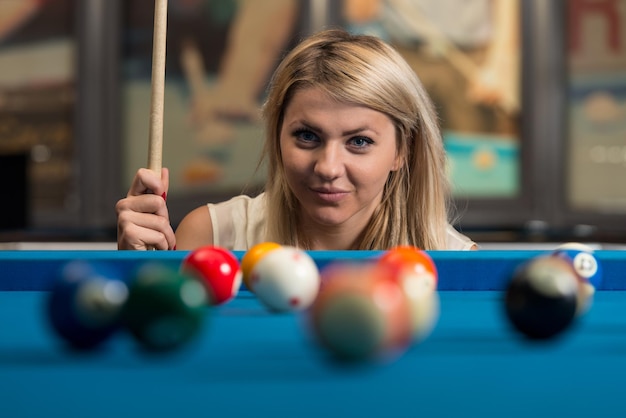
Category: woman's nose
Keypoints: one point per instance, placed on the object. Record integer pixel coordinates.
(329, 163)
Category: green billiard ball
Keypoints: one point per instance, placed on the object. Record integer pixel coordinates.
(165, 309)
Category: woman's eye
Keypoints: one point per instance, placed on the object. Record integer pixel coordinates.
(305, 135)
(361, 141)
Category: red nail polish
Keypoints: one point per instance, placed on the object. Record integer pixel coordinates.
(174, 248)
(164, 196)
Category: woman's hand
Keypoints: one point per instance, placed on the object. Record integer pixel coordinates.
(142, 217)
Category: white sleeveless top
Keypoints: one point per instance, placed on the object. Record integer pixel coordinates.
(239, 224)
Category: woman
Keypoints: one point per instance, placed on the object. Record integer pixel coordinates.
(355, 161)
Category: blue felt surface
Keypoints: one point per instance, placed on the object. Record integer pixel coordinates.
(250, 363)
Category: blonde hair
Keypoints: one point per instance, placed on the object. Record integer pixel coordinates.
(363, 70)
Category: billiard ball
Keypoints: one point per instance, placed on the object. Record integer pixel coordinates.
(541, 298)
(217, 269)
(166, 309)
(360, 315)
(416, 273)
(407, 259)
(587, 267)
(252, 257)
(286, 279)
(85, 303)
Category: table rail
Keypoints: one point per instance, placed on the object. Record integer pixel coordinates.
(23, 270)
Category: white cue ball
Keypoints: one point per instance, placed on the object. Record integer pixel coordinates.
(286, 279)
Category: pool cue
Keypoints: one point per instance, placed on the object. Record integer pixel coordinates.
(155, 136)
(155, 133)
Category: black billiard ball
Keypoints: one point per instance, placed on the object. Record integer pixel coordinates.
(85, 303)
(541, 298)
(166, 309)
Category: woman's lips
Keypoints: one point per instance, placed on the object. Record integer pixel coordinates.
(330, 195)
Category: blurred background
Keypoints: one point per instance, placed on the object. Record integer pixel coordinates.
(531, 96)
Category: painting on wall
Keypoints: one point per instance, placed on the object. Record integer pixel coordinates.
(596, 154)
(468, 56)
(220, 55)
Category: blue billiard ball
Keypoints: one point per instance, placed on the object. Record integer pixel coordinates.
(85, 303)
(583, 260)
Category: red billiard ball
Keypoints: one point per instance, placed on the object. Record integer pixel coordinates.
(218, 269)
(541, 298)
(85, 303)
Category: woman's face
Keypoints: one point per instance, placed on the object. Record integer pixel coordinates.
(337, 158)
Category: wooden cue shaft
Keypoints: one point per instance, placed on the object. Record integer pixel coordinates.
(155, 139)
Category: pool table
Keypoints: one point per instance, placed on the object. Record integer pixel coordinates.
(248, 362)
